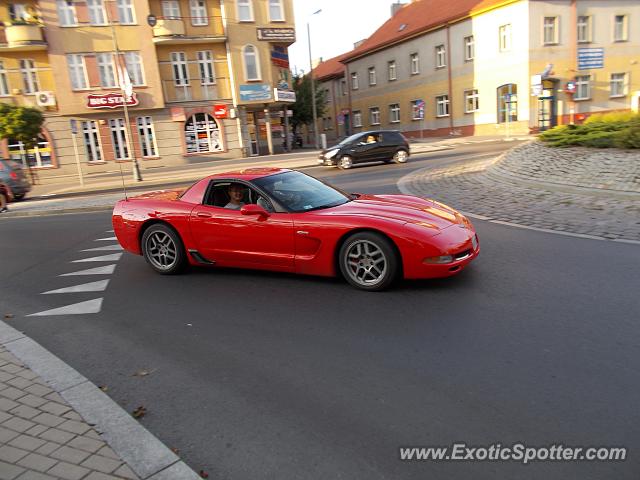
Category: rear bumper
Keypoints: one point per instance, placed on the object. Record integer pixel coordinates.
(20, 188)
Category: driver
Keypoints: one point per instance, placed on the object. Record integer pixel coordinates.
(371, 139)
(236, 196)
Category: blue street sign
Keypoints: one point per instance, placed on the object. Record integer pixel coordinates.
(590, 58)
(420, 106)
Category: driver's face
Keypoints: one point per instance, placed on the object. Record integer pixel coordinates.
(236, 193)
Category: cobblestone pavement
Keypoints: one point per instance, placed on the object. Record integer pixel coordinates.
(43, 438)
(581, 191)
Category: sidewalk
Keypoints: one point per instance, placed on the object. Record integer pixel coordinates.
(55, 424)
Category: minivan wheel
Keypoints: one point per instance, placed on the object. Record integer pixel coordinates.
(345, 162)
(401, 156)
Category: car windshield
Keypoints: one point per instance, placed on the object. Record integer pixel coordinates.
(298, 192)
(351, 139)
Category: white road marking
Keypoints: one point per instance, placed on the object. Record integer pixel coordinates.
(107, 270)
(99, 286)
(109, 231)
(105, 248)
(114, 257)
(82, 308)
(106, 239)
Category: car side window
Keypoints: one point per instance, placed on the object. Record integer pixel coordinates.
(218, 196)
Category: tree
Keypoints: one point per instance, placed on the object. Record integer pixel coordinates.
(302, 108)
(22, 124)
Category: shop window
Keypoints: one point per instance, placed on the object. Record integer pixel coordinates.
(202, 134)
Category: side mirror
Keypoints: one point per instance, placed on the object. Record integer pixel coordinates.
(253, 209)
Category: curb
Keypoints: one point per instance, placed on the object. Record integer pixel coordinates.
(147, 456)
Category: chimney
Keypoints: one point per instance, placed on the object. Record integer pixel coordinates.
(395, 7)
(358, 43)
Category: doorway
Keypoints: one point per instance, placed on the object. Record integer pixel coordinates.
(548, 105)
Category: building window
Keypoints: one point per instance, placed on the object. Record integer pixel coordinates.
(550, 30)
(29, 76)
(205, 65)
(621, 28)
(417, 110)
(120, 138)
(133, 64)
(442, 106)
(97, 15)
(171, 10)
(441, 56)
(147, 136)
(125, 12)
(245, 11)
(354, 81)
(471, 101)
(66, 13)
(77, 72)
(198, 13)
(618, 84)
(374, 116)
(251, 66)
(394, 113)
(415, 63)
(583, 87)
(276, 11)
(343, 87)
(505, 37)
(202, 134)
(469, 48)
(4, 83)
(179, 67)
(17, 12)
(35, 157)
(507, 103)
(391, 67)
(372, 76)
(357, 118)
(584, 29)
(92, 146)
(106, 69)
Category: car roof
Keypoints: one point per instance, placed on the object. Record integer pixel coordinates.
(379, 131)
(248, 174)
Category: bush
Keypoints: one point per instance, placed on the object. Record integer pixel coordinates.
(612, 117)
(616, 129)
(628, 138)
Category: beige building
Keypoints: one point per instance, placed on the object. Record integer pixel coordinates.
(336, 121)
(202, 73)
(487, 67)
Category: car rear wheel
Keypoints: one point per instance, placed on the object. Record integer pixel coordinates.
(19, 197)
(401, 156)
(345, 162)
(163, 249)
(368, 261)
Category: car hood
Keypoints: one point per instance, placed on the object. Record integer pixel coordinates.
(402, 208)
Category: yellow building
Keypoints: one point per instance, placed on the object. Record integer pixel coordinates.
(196, 70)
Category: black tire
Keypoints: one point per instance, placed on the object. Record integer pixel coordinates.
(19, 197)
(163, 249)
(363, 268)
(401, 156)
(345, 162)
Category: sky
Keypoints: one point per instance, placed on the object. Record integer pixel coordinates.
(336, 28)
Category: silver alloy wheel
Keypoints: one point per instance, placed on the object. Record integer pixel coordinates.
(400, 156)
(161, 250)
(345, 162)
(366, 263)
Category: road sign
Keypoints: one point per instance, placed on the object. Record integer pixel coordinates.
(590, 58)
(420, 109)
(152, 20)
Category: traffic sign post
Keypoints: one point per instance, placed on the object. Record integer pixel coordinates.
(420, 106)
(74, 132)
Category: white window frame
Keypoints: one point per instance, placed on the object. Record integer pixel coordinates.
(198, 13)
(280, 6)
(120, 139)
(442, 106)
(622, 84)
(551, 30)
(392, 70)
(126, 12)
(97, 12)
(77, 71)
(147, 136)
(504, 37)
(5, 88)
(625, 28)
(355, 84)
(179, 69)
(471, 96)
(206, 68)
(246, 54)
(583, 81)
(17, 11)
(394, 113)
(414, 59)
(441, 56)
(357, 118)
(106, 69)
(135, 69)
(469, 48)
(171, 10)
(374, 115)
(93, 148)
(584, 29)
(29, 74)
(373, 79)
(248, 4)
(66, 13)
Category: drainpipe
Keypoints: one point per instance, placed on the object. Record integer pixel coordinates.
(450, 80)
(335, 108)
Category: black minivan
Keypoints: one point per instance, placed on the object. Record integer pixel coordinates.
(378, 145)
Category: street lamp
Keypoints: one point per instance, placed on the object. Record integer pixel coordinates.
(313, 87)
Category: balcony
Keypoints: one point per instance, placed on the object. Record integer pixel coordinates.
(177, 30)
(196, 90)
(23, 37)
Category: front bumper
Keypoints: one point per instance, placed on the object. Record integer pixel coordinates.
(322, 160)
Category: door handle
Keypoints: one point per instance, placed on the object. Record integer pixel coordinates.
(203, 214)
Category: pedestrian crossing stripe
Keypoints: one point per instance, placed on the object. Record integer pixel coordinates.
(114, 257)
(99, 286)
(106, 270)
(104, 248)
(82, 308)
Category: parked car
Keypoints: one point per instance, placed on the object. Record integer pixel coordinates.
(13, 177)
(379, 145)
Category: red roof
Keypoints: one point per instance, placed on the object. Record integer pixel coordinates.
(417, 17)
(330, 68)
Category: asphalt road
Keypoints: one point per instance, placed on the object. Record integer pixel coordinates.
(256, 375)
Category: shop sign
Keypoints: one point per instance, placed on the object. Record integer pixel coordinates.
(255, 92)
(284, 95)
(590, 58)
(111, 100)
(280, 57)
(276, 34)
(220, 111)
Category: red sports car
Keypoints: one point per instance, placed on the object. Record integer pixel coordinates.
(285, 220)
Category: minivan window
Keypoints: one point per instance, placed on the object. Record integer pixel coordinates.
(351, 139)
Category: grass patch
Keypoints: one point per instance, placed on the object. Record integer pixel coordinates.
(618, 129)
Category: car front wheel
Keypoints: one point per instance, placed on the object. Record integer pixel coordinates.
(163, 250)
(368, 261)
(401, 156)
(345, 162)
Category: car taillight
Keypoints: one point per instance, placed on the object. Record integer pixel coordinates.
(13, 175)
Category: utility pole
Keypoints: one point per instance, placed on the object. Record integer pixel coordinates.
(313, 87)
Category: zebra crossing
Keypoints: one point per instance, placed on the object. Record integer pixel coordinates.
(94, 305)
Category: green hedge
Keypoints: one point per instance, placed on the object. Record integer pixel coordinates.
(618, 129)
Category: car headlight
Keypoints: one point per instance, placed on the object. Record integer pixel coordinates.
(331, 153)
(439, 260)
